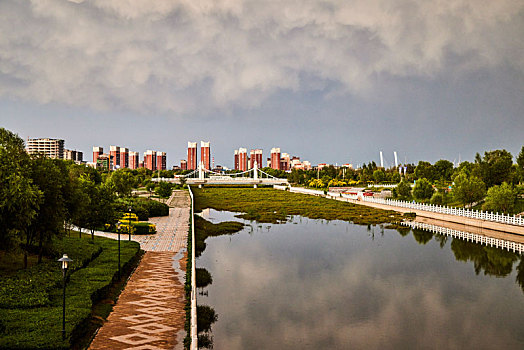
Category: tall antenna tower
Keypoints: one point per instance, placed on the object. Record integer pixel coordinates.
(396, 159)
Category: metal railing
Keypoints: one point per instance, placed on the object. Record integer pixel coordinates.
(194, 335)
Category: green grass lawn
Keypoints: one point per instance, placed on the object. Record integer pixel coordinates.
(31, 300)
(273, 206)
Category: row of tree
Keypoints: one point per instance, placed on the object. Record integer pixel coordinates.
(41, 198)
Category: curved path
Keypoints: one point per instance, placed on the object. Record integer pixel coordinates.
(150, 311)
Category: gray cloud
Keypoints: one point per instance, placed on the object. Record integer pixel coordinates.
(179, 56)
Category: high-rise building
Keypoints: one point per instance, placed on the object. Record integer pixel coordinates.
(183, 164)
(255, 155)
(97, 151)
(76, 156)
(150, 160)
(242, 159)
(52, 148)
(134, 160)
(114, 153)
(191, 155)
(205, 154)
(275, 158)
(236, 160)
(103, 161)
(124, 157)
(161, 161)
(284, 162)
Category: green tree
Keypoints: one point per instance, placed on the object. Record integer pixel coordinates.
(379, 175)
(164, 189)
(443, 170)
(403, 190)
(501, 198)
(468, 189)
(122, 181)
(100, 207)
(48, 223)
(425, 170)
(19, 198)
(520, 165)
(395, 177)
(423, 189)
(495, 167)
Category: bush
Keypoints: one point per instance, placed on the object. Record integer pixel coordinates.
(438, 198)
(143, 208)
(143, 228)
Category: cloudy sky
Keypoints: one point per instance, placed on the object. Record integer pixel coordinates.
(330, 81)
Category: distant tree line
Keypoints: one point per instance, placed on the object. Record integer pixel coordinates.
(493, 179)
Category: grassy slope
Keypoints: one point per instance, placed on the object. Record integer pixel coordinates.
(269, 205)
(31, 300)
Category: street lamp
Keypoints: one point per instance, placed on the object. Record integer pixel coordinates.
(65, 262)
(118, 231)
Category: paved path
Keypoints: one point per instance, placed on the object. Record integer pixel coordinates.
(150, 313)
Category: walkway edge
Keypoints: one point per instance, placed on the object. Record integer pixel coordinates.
(194, 336)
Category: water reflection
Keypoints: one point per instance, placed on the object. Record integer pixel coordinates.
(311, 284)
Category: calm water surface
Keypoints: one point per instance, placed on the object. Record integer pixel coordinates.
(314, 284)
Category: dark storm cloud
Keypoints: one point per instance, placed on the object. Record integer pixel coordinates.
(180, 57)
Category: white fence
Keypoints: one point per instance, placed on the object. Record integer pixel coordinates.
(474, 214)
(470, 237)
(194, 336)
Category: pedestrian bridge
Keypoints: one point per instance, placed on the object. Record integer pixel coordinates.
(202, 176)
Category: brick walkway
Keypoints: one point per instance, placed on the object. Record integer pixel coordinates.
(150, 311)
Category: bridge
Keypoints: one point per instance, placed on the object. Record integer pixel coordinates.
(202, 176)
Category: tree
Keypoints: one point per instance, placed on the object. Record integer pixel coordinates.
(379, 176)
(19, 197)
(395, 177)
(438, 198)
(495, 167)
(443, 169)
(101, 206)
(520, 165)
(501, 198)
(423, 189)
(164, 189)
(403, 190)
(48, 222)
(468, 189)
(425, 170)
(122, 181)
(150, 186)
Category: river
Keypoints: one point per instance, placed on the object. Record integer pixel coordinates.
(317, 284)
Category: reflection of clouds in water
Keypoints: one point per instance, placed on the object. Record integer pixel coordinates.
(325, 288)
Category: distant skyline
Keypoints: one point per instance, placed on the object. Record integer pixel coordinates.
(327, 81)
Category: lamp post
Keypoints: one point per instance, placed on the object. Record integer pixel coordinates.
(65, 262)
(119, 253)
(129, 226)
